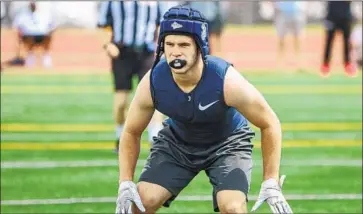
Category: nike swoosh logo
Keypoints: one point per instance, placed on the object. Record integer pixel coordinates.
(202, 108)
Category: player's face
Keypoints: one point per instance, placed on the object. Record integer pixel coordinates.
(183, 48)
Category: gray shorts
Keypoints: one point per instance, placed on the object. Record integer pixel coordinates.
(290, 24)
(172, 163)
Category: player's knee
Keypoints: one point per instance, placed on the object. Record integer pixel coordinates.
(150, 200)
(120, 100)
(232, 202)
(120, 106)
(120, 103)
(234, 206)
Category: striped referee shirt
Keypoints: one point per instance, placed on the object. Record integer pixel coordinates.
(133, 23)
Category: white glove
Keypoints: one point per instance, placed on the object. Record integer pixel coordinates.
(271, 192)
(127, 195)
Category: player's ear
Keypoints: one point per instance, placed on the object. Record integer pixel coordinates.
(198, 52)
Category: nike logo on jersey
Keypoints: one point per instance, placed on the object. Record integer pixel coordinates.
(202, 108)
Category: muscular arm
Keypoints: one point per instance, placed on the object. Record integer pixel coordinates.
(139, 115)
(243, 96)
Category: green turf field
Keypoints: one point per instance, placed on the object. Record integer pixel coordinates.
(57, 137)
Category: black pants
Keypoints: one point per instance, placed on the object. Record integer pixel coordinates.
(331, 27)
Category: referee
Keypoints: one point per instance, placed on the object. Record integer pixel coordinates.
(339, 17)
(132, 46)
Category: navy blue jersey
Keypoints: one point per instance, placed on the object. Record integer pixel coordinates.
(201, 116)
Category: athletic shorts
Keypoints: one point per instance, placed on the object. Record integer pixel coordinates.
(130, 62)
(172, 163)
(290, 24)
(37, 39)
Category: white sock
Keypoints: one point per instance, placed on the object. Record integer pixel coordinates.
(47, 60)
(153, 130)
(30, 59)
(118, 130)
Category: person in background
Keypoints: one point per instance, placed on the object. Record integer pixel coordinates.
(133, 26)
(34, 29)
(290, 17)
(339, 17)
(166, 5)
(356, 44)
(214, 14)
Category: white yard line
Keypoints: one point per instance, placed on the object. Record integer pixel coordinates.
(140, 163)
(179, 198)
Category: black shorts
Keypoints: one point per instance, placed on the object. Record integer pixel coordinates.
(130, 62)
(172, 164)
(37, 39)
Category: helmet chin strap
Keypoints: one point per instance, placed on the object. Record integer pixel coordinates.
(178, 63)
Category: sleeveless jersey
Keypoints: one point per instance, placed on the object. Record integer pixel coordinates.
(200, 116)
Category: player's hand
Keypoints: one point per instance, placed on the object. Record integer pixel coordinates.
(271, 192)
(127, 195)
(111, 49)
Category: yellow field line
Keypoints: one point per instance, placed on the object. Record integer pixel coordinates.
(30, 127)
(145, 145)
(322, 126)
(271, 89)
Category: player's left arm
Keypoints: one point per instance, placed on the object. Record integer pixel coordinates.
(243, 96)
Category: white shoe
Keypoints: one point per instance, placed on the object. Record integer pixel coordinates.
(30, 60)
(47, 61)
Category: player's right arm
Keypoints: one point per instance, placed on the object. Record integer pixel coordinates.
(139, 115)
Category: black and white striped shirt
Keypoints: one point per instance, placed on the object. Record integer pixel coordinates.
(133, 23)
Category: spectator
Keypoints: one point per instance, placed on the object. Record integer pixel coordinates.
(290, 17)
(356, 44)
(212, 10)
(132, 46)
(35, 29)
(339, 17)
